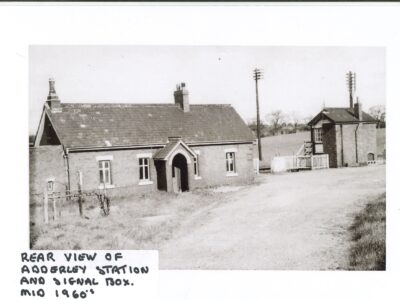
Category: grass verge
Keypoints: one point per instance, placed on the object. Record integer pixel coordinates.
(137, 222)
(368, 233)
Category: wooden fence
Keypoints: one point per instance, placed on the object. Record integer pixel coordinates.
(298, 162)
(55, 201)
(319, 161)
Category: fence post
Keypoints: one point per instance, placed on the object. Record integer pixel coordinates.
(45, 206)
(104, 189)
(60, 203)
(80, 183)
(54, 207)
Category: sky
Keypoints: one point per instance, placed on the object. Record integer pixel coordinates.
(297, 80)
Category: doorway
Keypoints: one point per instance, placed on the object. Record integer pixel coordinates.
(371, 157)
(180, 180)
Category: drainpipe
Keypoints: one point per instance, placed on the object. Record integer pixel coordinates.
(355, 136)
(67, 173)
(341, 142)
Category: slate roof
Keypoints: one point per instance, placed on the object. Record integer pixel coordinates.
(107, 125)
(163, 153)
(341, 115)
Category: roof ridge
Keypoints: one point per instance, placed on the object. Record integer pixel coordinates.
(221, 104)
(141, 104)
(119, 103)
(337, 107)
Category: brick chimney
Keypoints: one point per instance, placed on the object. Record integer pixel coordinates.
(52, 99)
(358, 110)
(181, 96)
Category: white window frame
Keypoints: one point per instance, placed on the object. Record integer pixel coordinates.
(50, 184)
(102, 168)
(144, 169)
(230, 163)
(317, 134)
(196, 165)
(144, 157)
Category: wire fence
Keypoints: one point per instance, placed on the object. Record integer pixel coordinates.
(57, 200)
(54, 203)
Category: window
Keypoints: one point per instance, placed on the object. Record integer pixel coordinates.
(196, 166)
(105, 172)
(318, 135)
(230, 162)
(144, 168)
(50, 184)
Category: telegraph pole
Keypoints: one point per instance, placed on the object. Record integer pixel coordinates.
(351, 84)
(257, 76)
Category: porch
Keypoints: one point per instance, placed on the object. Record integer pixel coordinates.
(174, 165)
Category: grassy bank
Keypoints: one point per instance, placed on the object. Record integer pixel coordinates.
(140, 222)
(368, 233)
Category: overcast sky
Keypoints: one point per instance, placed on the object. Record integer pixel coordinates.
(296, 79)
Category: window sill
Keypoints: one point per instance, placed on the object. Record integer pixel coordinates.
(145, 182)
(108, 186)
(197, 177)
(231, 174)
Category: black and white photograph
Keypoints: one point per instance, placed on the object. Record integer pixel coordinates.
(219, 157)
(190, 151)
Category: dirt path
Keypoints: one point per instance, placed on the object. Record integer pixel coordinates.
(287, 222)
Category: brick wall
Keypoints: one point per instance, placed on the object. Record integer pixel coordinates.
(212, 162)
(366, 143)
(339, 142)
(329, 143)
(125, 168)
(45, 162)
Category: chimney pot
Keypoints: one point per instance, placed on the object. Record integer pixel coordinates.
(52, 99)
(358, 110)
(52, 91)
(181, 96)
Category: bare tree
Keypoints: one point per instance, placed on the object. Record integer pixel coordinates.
(253, 126)
(295, 119)
(275, 119)
(379, 113)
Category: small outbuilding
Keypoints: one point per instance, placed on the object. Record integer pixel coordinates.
(346, 134)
